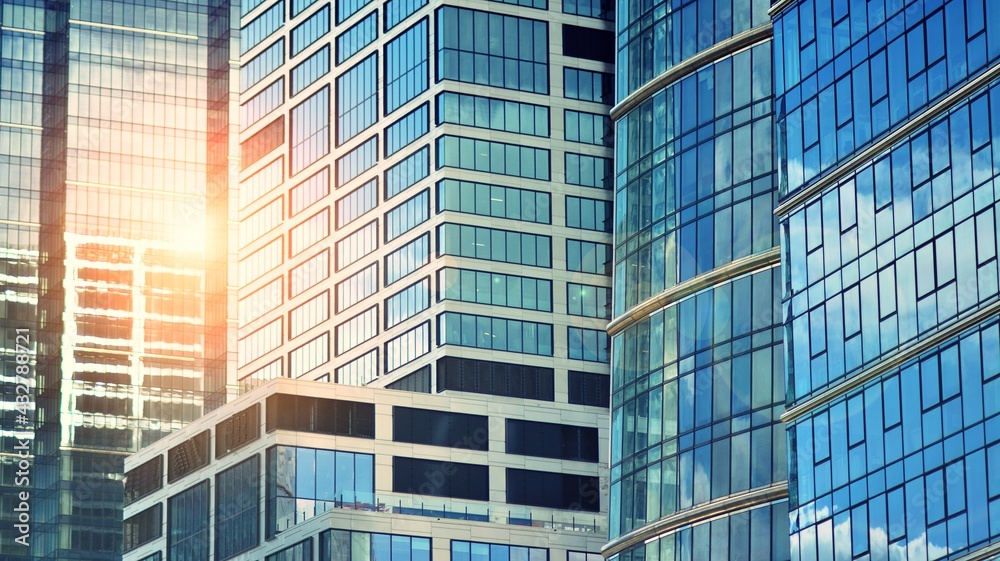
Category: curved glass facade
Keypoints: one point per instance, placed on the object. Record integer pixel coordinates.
(697, 365)
(890, 292)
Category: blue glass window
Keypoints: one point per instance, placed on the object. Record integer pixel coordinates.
(588, 257)
(477, 54)
(406, 70)
(495, 289)
(408, 128)
(262, 27)
(357, 37)
(587, 344)
(310, 30)
(492, 157)
(398, 10)
(407, 259)
(260, 66)
(187, 524)
(588, 214)
(407, 215)
(408, 347)
(310, 130)
(355, 204)
(237, 500)
(299, 6)
(407, 172)
(357, 99)
(407, 303)
(260, 105)
(602, 9)
(587, 85)
(491, 113)
(494, 200)
(498, 334)
(348, 8)
(588, 128)
(493, 244)
(589, 171)
(357, 161)
(311, 69)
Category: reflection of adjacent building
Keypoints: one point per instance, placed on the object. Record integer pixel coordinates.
(888, 134)
(114, 165)
(698, 463)
(307, 470)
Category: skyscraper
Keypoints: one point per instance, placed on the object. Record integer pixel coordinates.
(115, 127)
(888, 115)
(425, 211)
(698, 462)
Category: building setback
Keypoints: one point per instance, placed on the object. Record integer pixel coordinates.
(887, 130)
(114, 151)
(301, 470)
(698, 463)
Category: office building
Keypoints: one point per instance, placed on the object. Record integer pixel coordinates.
(302, 470)
(698, 463)
(114, 170)
(887, 120)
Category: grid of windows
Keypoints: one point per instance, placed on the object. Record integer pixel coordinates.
(262, 27)
(492, 157)
(473, 551)
(342, 545)
(260, 105)
(357, 98)
(357, 37)
(310, 130)
(407, 215)
(358, 244)
(357, 161)
(310, 30)
(301, 551)
(314, 188)
(355, 204)
(491, 113)
(309, 356)
(357, 330)
(359, 371)
(494, 200)
(498, 334)
(407, 259)
(493, 244)
(357, 287)
(495, 289)
(262, 65)
(477, 54)
(408, 347)
(407, 172)
(832, 110)
(398, 10)
(408, 128)
(406, 70)
(311, 69)
(407, 303)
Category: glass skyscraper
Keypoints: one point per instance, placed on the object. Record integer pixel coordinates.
(888, 118)
(114, 171)
(698, 463)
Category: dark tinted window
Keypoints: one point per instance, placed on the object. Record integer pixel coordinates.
(495, 378)
(187, 524)
(592, 44)
(418, 381)
(440, 428)
(143, 480)
(324, 416)
(440, 479)
(549, 440)
(237, 518)
(143, 527)
(241, 428)
(187, 456)
(553, 490)
(586, 388)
